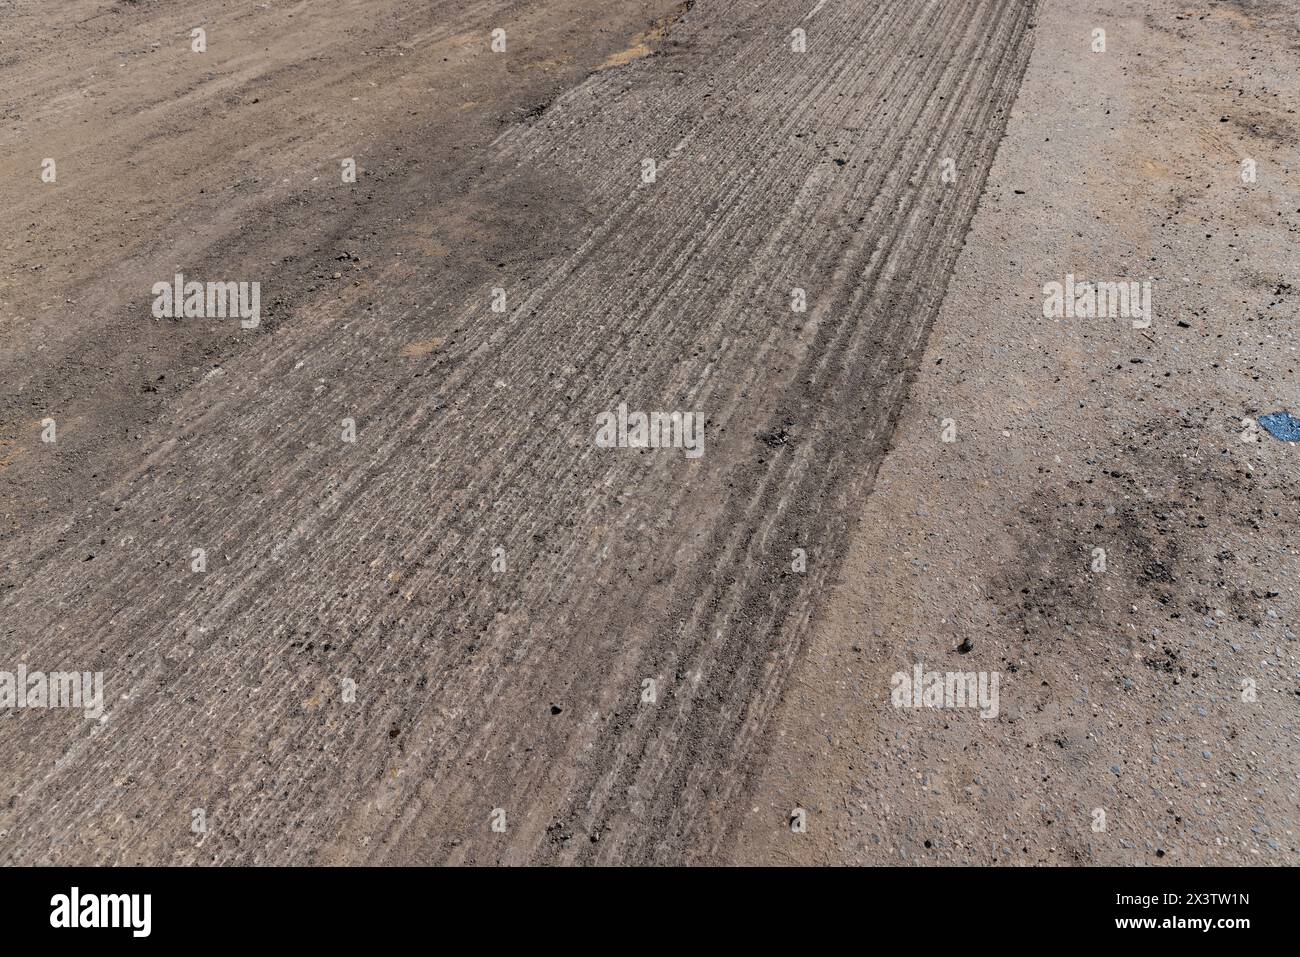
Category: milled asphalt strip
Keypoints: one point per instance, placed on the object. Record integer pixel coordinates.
(722, 731)
(373, 561)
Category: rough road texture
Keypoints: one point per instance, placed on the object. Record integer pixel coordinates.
(1124, 688)
(373, 561)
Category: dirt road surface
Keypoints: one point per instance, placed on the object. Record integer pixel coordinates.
(363, 584)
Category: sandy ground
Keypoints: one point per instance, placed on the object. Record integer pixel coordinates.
(1120, 690)
(466, 633)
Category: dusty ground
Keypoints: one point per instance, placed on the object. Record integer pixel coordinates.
(496, 588)
(228, 164)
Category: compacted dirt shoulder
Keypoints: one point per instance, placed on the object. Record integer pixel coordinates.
(1108, 529)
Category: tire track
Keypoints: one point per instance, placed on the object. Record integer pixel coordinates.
(373, 561)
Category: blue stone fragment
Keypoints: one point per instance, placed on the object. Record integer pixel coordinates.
(1281, 425)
